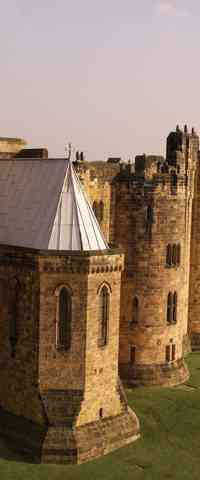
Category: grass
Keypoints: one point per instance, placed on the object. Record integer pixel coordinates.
(168, 449)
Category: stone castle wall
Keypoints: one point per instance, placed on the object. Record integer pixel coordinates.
(148, 278)
(19, 370)
(194, 298)
(146, 274)
(86, 370)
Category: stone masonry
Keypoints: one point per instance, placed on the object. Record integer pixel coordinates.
(149, 209)
(71, 403)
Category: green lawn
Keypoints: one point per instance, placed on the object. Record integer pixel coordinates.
(169, 447)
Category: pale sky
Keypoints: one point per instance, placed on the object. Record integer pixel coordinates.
(111, 76)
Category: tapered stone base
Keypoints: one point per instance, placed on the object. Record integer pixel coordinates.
(195, 342)
(62, 444)
(90, 441)
(169, 374)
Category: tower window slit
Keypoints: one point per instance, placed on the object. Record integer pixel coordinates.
(104, 301)
(65, 319)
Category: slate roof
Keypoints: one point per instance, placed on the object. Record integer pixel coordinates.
(43, 205)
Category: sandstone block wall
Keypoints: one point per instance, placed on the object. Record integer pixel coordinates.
(87, 371)
(146, 274)
(19, 374)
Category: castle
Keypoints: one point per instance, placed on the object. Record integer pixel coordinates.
(134, 305)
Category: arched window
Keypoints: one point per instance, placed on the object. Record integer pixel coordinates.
(104, 300)
(169, 255)
(101, 211)
(174, 307)
(169, 307)
(64, 319)
(135, 313)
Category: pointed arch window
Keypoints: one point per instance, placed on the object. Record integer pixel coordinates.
(104, 305)
(64, 320)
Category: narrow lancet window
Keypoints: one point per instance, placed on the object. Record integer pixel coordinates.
(169, 307)
(174, 307)
(135, 314)
(104, 300)
(149, 220)
(169, 255)
(178, 254)
(174, 253)
(167, 353)
(65, 319)
(173, 352)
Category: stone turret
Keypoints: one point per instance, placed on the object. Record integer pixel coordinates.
(152, 223)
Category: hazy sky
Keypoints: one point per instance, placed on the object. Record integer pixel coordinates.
(111, 76)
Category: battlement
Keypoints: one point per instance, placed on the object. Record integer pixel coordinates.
(182, 146)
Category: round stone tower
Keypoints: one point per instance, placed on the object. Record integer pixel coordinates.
(152, 223)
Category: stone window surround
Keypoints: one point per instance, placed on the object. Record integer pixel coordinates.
(172, 302)
(173, 255)
(57, 295)
(170, 352)
(103, 342)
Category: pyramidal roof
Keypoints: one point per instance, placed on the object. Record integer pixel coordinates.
(43, 205)
(75, 226)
